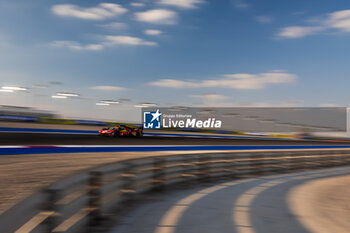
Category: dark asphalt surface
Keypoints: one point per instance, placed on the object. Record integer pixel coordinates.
(77, 139)
(226, 207)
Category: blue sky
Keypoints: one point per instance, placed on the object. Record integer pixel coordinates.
(180, 52)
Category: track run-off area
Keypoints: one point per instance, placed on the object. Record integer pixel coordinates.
(44, 141)
(33, 160)
(269, 204)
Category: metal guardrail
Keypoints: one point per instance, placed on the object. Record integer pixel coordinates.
(84, 202)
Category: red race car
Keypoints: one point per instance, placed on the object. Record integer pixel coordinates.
(122, 130)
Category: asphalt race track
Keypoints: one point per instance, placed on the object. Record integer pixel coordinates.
(24, 171)
(256, 205)
(12, 139)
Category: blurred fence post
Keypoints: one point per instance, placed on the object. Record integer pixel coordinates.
(51, 208)
(288, 167)
(228, 162)
(336, 157)
(187, 168)
(158, 174)
(131, 177)
(323, 160)
(347, 158)
(252, 164)
(233, 166)
(305, 160)
(205, 168)
(94, 198)
(128, 182)
(208, 168)
(201, 167)
(260, 163)
(281, 167)
(332, 159)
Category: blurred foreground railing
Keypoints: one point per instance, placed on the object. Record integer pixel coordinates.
(84, 203)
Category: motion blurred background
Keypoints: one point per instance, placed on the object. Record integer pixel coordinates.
(113, 57)
(275, 72)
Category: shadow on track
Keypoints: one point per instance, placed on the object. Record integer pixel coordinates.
(78, 139)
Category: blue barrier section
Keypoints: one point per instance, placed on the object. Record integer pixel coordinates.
(82, 149)
(28, 130)
(86, 122)
(215, 136)
(19, 118)
(92, 132)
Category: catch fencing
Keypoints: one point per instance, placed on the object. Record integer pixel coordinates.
(87, 202)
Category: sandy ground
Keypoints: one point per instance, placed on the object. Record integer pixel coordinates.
(90, 127)
(47, 126)
(22, 175)
(323, 206)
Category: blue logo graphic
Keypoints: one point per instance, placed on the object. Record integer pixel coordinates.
(151, 120)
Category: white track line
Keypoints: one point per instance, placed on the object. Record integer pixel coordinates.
(241, 212)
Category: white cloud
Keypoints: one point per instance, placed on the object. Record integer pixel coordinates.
(329, 105)
(100, 12)
(181, 3)
(210, 97)
(108, 88)
(153, 32)
(127, 40)
(94, 47)
(75, 45)
(338, 20)
(233, 81)
(109, 41)
(157, 16)
(114, 26)
(240, 4)
(282, 104)
(137, 4)
(264, 19)
(297, 32)
(173, 83)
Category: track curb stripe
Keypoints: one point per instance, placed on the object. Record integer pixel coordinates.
(15, 150)
(95, 132)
